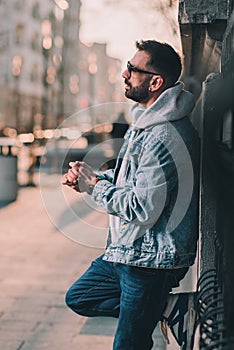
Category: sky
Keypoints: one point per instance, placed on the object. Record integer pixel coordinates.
(122, 22)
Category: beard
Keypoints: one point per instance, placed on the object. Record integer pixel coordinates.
(139, 93)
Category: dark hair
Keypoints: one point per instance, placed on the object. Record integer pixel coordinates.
(163, 59)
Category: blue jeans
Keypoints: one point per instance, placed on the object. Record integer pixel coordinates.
(136, 295)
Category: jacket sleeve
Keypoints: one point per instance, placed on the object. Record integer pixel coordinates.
(142, 200)
(107, 175)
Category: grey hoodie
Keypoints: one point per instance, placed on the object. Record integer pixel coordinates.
(173, 104)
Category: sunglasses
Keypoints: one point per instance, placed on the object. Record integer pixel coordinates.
(131, 69)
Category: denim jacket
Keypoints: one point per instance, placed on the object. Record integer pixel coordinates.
(152, 194)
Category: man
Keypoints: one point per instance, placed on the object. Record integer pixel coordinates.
(152, 199)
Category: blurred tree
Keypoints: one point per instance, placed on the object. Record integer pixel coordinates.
(165, 7)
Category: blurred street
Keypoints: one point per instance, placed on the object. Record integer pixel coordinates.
(37, 265)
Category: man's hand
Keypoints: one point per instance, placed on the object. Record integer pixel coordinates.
(80, 177)
(71, 177)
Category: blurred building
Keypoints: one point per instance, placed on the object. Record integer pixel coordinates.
(21, 63)
(100, 75)
(46, 73)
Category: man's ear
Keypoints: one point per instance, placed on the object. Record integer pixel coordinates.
(156, 83)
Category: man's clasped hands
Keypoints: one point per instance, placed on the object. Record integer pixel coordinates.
(79, 177)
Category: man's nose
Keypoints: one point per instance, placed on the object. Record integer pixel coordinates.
(126, 74)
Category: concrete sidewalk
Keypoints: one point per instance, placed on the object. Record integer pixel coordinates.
(37, 265)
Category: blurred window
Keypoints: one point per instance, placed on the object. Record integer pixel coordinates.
(34, 76)
(4, 39)
(2, 2)
(35, 42)
(36, 11)
(19, 33)
(19, 4)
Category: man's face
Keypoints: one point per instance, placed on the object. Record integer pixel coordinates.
(137, 84)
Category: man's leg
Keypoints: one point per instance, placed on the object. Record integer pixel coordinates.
(96, 292)
(143, 297)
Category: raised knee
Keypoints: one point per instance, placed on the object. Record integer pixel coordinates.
(72, 299)
(73, 302)
(69, 299)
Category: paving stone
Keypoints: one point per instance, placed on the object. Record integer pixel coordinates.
(88, 342)
(100, 326)
(11, 344)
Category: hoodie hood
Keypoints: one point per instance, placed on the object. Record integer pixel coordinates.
(173, 104)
